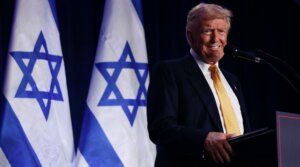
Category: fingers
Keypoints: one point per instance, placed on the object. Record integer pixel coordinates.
(217, 157)
(224, 152)
(228, 136)
(228, 148)
(227, 145)
(212, 150)
(220, 156)
(218, 148)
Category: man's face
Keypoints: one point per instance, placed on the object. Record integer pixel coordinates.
(210, 38)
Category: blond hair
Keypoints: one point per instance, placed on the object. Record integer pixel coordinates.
(204, 11)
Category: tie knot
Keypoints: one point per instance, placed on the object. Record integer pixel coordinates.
(213, 68)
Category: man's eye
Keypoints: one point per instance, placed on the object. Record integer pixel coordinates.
(207, 31)
(222, 31)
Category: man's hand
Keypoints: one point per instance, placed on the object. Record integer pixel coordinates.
(218, 148)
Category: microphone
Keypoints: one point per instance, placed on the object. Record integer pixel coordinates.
(253, 57)
(237, 53)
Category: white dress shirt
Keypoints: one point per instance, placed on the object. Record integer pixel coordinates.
(234, 101)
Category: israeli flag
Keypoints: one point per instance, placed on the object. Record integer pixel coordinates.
(114, 131)
(36, 128)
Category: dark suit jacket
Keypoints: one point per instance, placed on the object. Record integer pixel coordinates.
(182, 110)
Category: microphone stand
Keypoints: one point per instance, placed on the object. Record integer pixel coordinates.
(281, 62)
(260, 60)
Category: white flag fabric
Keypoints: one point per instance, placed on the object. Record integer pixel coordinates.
(36, 128)
(114, 131)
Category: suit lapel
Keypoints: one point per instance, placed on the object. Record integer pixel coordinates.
(200, 84)
(236, 89)
(232, 84)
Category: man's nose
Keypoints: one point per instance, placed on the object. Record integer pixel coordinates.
(214, 36)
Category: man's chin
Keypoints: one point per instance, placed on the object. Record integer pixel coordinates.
(213, 60)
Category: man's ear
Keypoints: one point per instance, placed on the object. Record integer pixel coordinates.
(189, 37)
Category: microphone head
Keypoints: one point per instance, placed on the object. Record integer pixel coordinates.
(236, 53)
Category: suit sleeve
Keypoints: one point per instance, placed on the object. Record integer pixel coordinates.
(163, 112)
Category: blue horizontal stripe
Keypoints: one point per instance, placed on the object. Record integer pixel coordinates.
(14, 141)
(138, 7)
(95, 146)
(53, 9)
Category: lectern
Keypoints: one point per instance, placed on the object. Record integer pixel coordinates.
(277, 147)
(288, 139)
(257, 148)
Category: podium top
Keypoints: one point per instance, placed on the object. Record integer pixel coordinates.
(251, 135)
(258, 146)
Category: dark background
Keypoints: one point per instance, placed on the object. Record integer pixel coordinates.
(272, 26)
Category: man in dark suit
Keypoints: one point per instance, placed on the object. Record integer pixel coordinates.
(187, 114)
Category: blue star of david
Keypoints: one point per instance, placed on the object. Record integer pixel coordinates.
(28, 87)
(112, 88)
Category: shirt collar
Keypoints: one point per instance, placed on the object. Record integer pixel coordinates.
(203, 66)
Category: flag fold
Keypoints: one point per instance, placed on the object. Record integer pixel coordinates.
(36, 128)
(114, 131)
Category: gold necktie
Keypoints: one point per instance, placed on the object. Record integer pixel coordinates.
(229, 117)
